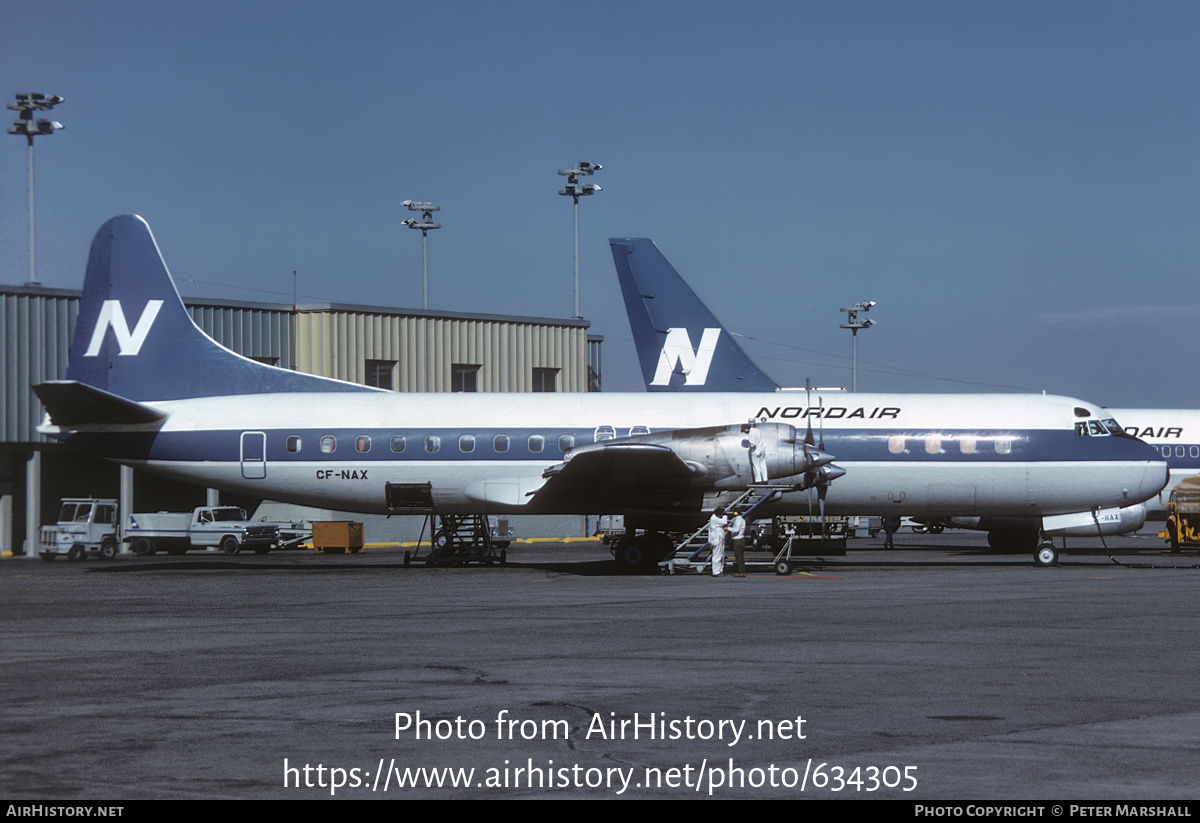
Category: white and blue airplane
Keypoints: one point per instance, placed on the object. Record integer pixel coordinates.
(683, 348)
(145, 387)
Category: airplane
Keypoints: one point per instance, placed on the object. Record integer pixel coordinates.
(666, 316)
(145, 387)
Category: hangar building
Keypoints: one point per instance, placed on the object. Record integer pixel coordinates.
(398, 349)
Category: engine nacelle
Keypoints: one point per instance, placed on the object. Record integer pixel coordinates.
(719, 456)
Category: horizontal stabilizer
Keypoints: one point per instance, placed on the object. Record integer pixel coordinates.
(70, 403)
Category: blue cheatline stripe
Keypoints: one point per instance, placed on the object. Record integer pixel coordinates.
(864, 445)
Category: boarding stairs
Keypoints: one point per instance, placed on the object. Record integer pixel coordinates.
(693, 554)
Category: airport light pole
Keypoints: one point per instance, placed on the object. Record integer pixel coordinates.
(575, 190)
(29, 128)
(426, 225)
(854, 324)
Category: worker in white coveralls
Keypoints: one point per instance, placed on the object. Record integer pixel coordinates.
(737, 534)
(716, 539)
(758, 452)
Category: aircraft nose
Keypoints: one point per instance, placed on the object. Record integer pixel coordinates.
(1154, 479)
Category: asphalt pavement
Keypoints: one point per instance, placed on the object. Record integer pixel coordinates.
(935, 671)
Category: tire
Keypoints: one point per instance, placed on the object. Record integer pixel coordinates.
(630, 556)
(230, 544)
(1046, 555)
(441, 540)
(108, 548)
(142, 547)
(937, 528)
(783, 568)
(76, 552)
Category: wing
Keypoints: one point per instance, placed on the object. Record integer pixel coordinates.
(616, 475)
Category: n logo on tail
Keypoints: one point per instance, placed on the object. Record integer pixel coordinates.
(693, 364)
(657, 299)
(112, 315)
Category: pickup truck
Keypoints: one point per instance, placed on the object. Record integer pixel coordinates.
(225, 527)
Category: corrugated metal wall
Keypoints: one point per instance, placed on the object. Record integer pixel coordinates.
(339, 343)
(249, 331)
(35, 333)
(36, 325)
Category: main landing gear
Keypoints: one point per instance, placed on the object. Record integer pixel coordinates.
(640, 553)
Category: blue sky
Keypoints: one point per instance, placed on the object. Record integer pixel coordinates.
(1017, 184)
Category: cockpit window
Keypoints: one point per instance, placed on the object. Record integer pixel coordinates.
(1092, 428)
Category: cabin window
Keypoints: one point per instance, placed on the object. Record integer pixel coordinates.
(293, 443)
(1194, 451)
(328, 443)
(1003, 445)
(362, 444)
(433, 443)
(566, 442)
(966, 445)
(500, 443)
(933, 444)
(397, 443)
(466, 443)
(1179, 451)
(896, 444)
(536, 443)
(1166, 451)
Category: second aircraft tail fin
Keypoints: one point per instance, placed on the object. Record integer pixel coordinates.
(681, 345)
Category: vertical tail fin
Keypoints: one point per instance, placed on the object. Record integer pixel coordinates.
(681, 345)
(135, 339)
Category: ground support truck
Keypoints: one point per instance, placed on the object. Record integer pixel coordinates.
(224, 527)
(85, 526)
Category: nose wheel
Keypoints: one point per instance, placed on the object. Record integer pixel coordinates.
(1046, 554)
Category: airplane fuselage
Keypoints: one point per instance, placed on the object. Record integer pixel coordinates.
(903, 454)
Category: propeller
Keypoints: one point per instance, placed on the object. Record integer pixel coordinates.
(822, 473)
